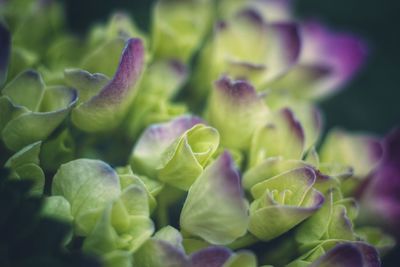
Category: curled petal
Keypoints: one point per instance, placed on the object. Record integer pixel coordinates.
(106, 109)
(282, 136)
(31, 126)
(183, 161)
(215, 208)
(26, 90)
(146, 155)
(282, 202)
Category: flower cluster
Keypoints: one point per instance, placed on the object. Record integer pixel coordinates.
(197, 144)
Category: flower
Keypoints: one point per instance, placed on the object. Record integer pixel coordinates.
(379, 193)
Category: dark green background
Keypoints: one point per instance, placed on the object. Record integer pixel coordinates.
(369, 103)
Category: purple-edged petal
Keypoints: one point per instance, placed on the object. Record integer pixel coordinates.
(355, 254)
(380, 195)
(361, 152)
(282, 137)
(215, 208)
(5, 47)
(147, 154)
(236, 110)
(210, 257)
(105, 110)
(341, 53)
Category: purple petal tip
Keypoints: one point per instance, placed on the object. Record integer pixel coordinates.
(294, 124)
(210, 257)
(237, 90)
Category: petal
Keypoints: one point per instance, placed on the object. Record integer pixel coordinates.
(57, 207)
(236, 110)
(5, 48)
(331, 221)
(88, 185)
(269, 168)
(160, 253)
(26, 90)
(215, 208)
(242, 259)
(379, 194)
(183, 161)
(362, 152)
(282, 136)
(342, 53)
(272, 221)
(164, 78)
(177, 31)
(355, 254)
(35, 126)
(106, 109)
(211, 257)
(147, 153)
(105, 58)
(87, 84)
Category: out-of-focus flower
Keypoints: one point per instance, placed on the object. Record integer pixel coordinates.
(327, 59)
(247, 47)
(178, 30)
(380, 203)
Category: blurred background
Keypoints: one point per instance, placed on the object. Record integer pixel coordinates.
(370, 102)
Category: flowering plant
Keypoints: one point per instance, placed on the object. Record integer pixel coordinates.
(196, 144)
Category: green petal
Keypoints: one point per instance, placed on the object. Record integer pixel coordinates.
(87, 84)
(362, 152)
(282, 136)
(236, 110)
(184, 160)
(30, 127)
(57, 207)
(88, 185)
(147, 154)
(215, 209)
(177, 30)
(26, 90)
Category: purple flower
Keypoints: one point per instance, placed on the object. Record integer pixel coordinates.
(380, 196)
